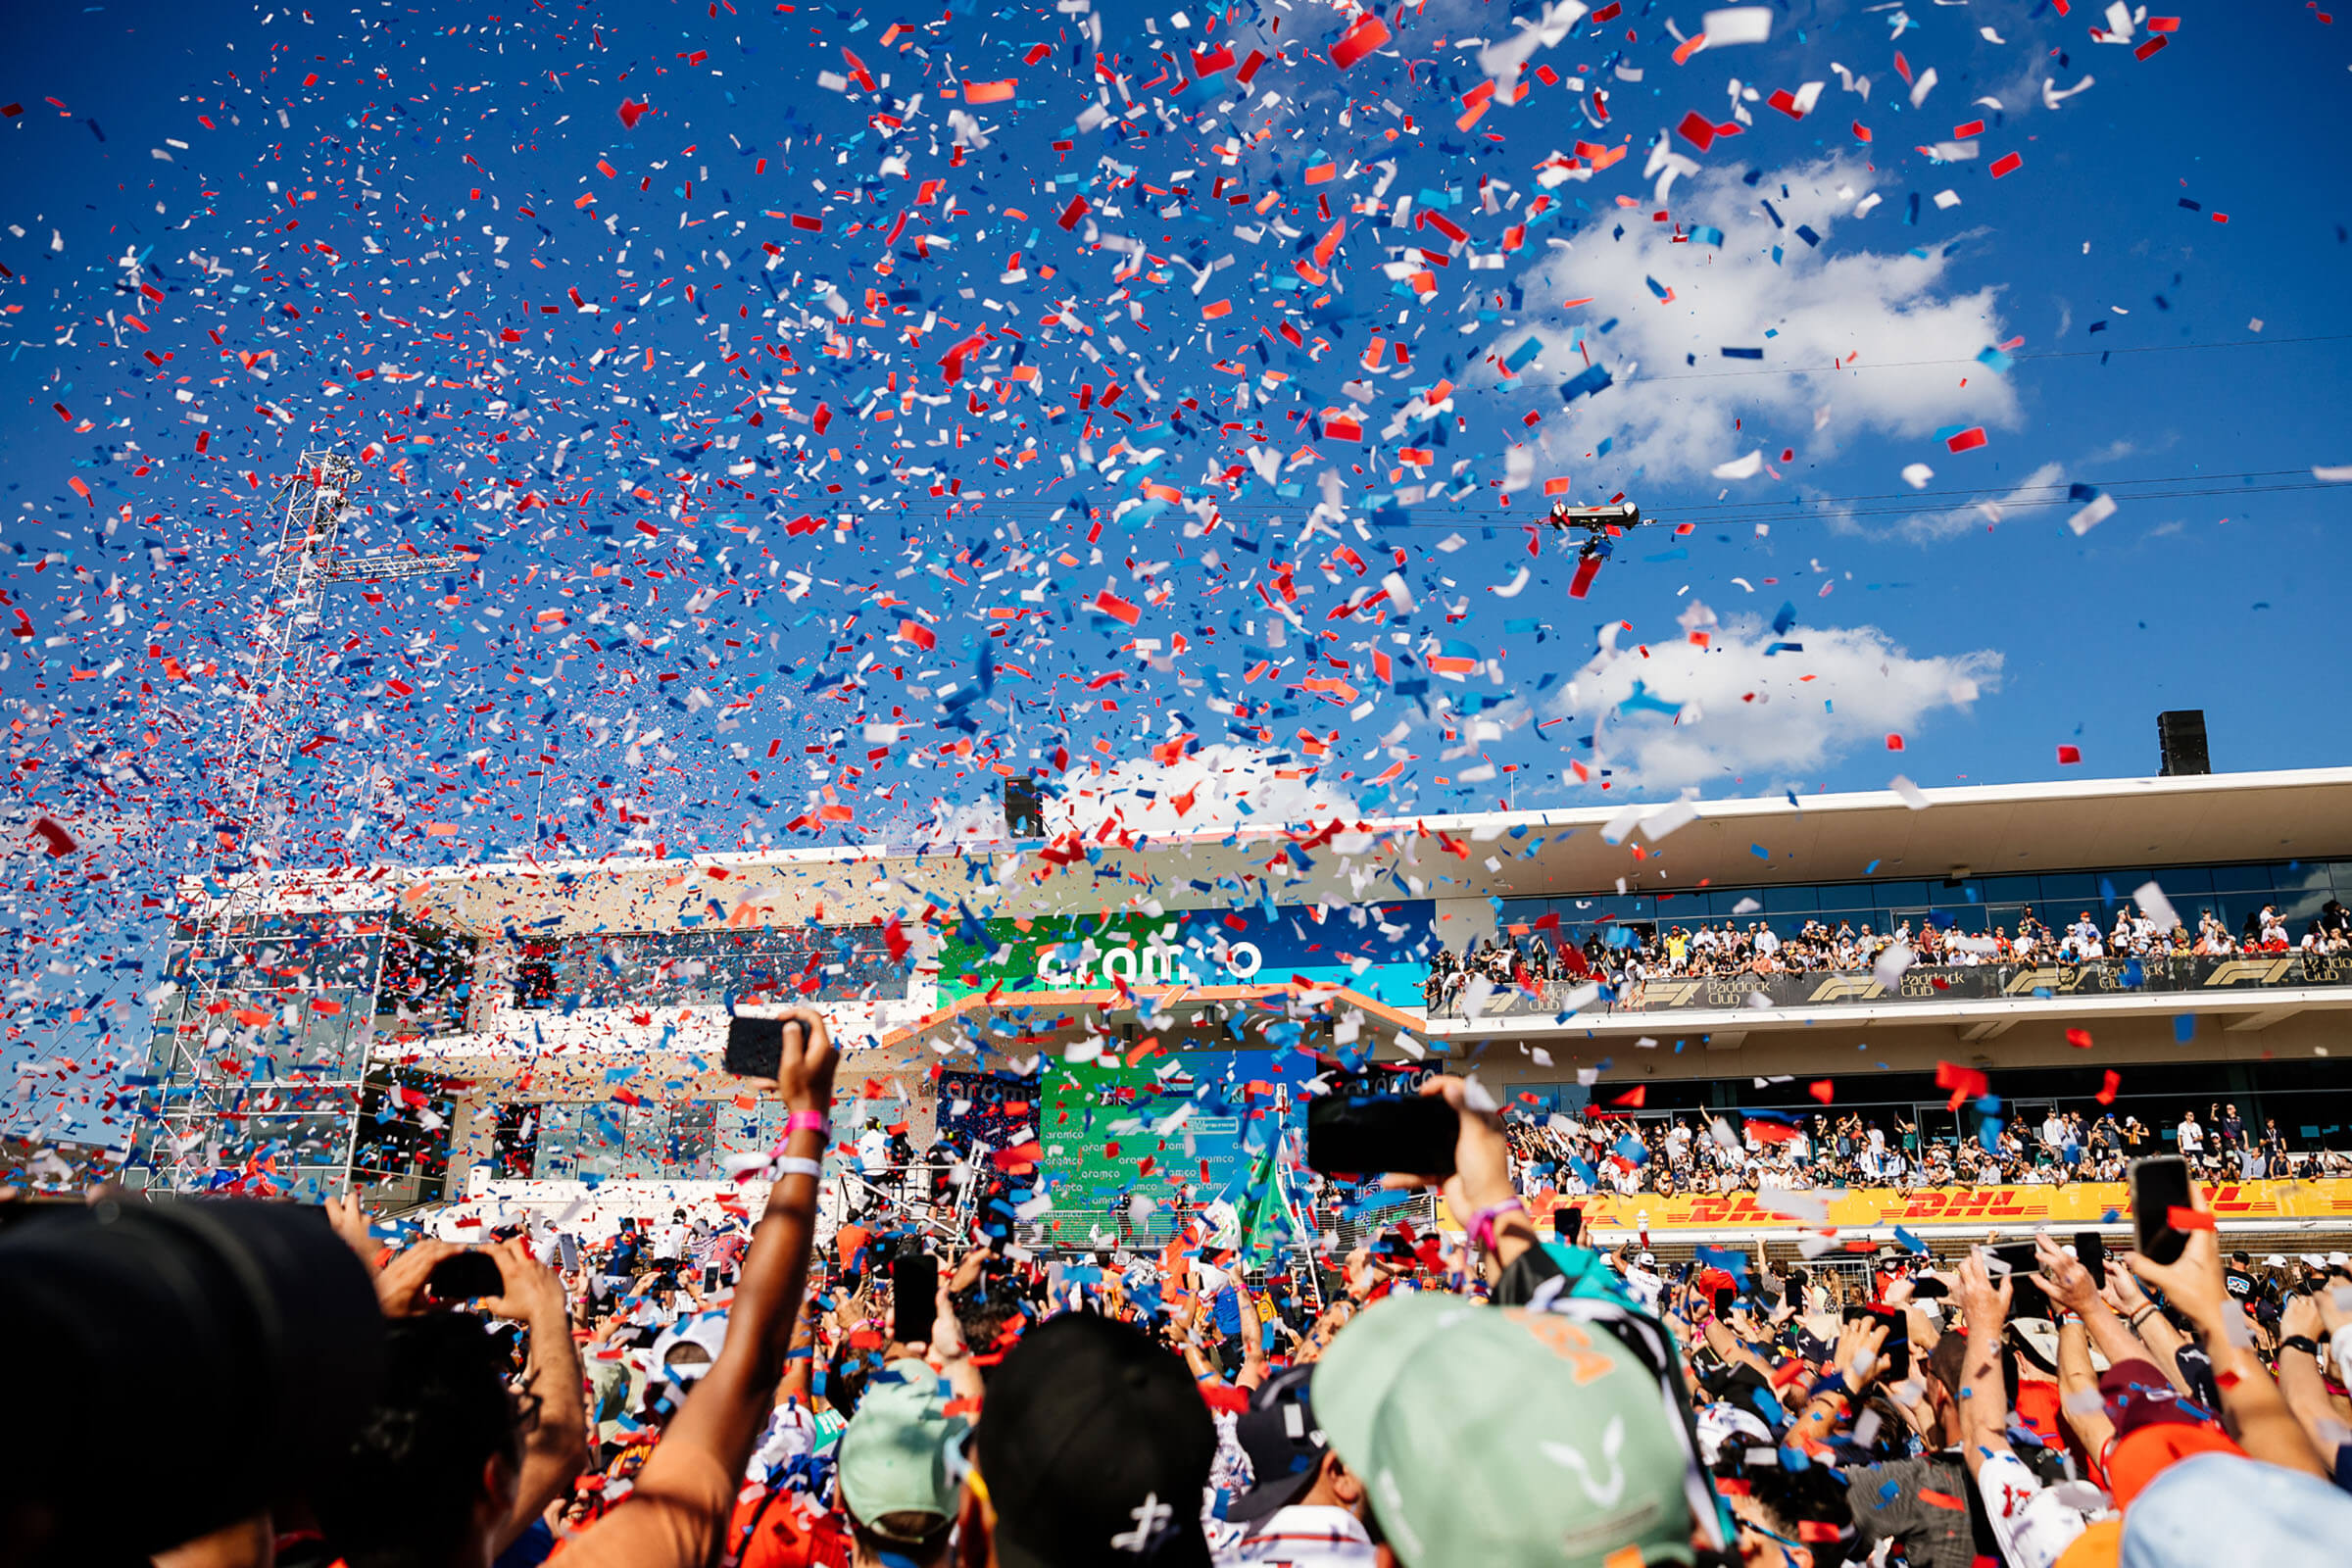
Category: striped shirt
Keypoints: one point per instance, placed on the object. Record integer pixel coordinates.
(1296, 1536)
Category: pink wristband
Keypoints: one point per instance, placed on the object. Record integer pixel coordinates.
(807, 1121)
(1482, 1224)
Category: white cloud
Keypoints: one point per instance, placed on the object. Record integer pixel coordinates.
(1823, 305)
(2033, 495)
(1746, 713)
(1216, 788)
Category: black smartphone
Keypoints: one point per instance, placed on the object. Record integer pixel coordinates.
(1368, 1135)
(2159, 1185)
(567, 1248)
(755, 1047)
(913, 1297)
(1568, 1224)
(1725, 1297)
(710, 1273)
(1897, 1348)
(2026, 1298)
(2090, 1251)
(463, 1276)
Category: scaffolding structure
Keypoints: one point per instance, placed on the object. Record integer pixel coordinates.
(253, 1085)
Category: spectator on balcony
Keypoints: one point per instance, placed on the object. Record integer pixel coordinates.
(2191, 1137)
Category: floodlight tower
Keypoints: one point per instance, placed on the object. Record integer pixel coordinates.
(212, 1085)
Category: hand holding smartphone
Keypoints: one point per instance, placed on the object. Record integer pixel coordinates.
(2159, 1185)
(913, 1297)
(464, 1277)
(1369, 1135)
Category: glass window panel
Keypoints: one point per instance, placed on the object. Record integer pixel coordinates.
(2241, 879)
(645, 1141)
(1786, 901)
(692, 1135)
(1898, 895)
(2078, 890)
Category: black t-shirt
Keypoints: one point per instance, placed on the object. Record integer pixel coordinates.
(2239, 1283)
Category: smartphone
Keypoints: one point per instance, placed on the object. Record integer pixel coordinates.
(2090, 1251)
(567, 1248)
(711, 1272)
(1725, 1297)
(2026, 1298)
(755, 1047)
(1367, 1135)
(2159, 1185)
(913, 1297)
(463, 1276)
(1568, 1224)
(1897, 1348)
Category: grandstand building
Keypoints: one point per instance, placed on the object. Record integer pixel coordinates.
(550, 1032)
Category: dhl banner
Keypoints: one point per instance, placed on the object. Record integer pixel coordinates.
(2021, 1208)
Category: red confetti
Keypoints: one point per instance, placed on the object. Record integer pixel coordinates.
(1368, 35)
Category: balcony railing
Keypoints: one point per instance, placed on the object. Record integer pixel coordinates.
(1922, 983)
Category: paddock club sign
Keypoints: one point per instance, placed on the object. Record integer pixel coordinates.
(1963, 983)
(1378, 949)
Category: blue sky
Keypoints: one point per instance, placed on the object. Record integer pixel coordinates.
(381, 227)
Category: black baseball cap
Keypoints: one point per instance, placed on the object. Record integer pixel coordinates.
(1096, 1450)
(1278, 1433)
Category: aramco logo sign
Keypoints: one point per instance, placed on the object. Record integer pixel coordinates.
(1085, 966)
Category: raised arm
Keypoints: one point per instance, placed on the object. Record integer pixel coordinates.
(722, 1417)
(555, 1446)
(2258, 1417)
(1984, 1401)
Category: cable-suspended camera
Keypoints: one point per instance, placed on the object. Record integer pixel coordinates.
(1601, 527)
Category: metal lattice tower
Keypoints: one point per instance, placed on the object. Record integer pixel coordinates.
(204, 1077)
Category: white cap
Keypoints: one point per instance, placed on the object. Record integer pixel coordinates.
(2340, 1259)
(2314, 1260)
(1647, 1259)
(2275, 1260)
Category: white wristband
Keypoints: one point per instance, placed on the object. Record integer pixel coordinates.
(796, 1165)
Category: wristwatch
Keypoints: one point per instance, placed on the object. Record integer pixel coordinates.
(2301, 1342)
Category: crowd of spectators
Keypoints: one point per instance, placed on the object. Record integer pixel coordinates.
(676, 1396)
(1747, 1152)
(1622, 959)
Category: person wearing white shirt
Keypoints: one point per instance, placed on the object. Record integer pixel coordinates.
(1303, 1508)
(873, 1150)
(1643, 1283)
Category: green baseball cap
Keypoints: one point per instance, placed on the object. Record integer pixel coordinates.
(894, 1455)
(1504, 1438)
